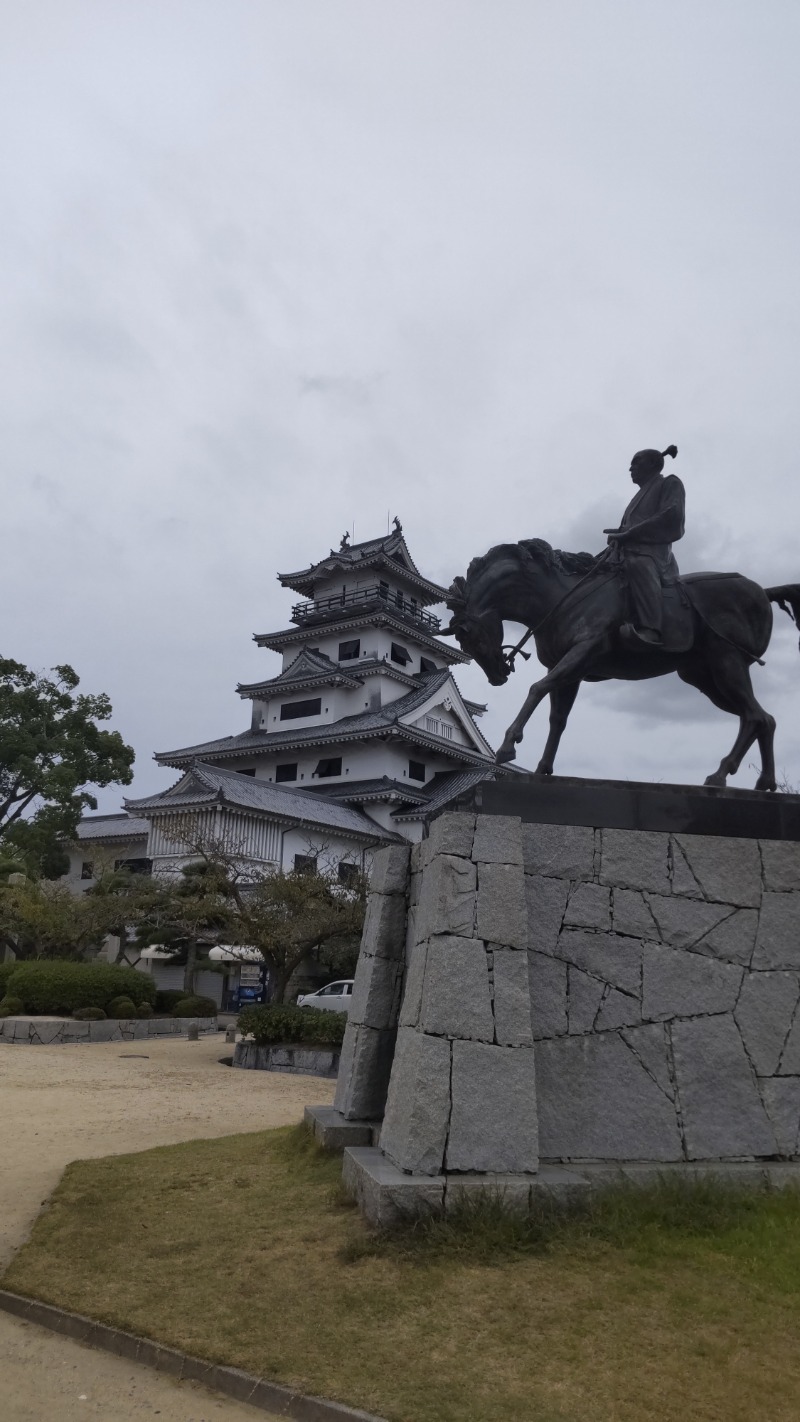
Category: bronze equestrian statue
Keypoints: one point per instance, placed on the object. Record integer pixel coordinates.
(626, 614)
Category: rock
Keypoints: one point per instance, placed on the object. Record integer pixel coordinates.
(649, 1044)
(390, 869)
(384, 930)
(493, 1125)
(781, 1096)
(618, 1009)
(548, 989)
(412, 992)
(447, 898)
(47, 1032)
(683, 922)
(597, 1101)
(778, 937)
(735, 938)
(385, 1195)
(763, 1015)
(449, 834)
(631, 914)
(721, 1108)
(559, 851)
(678, 984)
(727, 870)
(583, 1000)
(609, 956)
(589, 906)
(512, 998)
(546, 901)
(502, 913)
(781, 864)
(498, 840)
(790, 1056)
(418, 1104)
(376, 992)
(456, 1000)
(415, 862)
(365, 1066)
(684, 883)
(635, 859)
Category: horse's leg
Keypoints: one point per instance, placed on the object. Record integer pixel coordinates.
(562, 700)
(725, 680)
(566, 672)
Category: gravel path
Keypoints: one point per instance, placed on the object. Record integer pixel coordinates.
(69, 1103)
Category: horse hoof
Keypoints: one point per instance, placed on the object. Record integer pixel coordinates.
(766, 782)
(543, 769)
(716, 780)
(505, 754)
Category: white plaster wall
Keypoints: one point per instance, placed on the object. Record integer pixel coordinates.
(329, 848)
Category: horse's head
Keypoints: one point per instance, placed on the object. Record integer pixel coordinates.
(479, 633)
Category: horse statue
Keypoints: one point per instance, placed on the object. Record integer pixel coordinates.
(576, 605)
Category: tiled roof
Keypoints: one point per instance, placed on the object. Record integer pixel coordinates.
(444, 788)
(111, 827)
(391, 551)
(348, 728)
(204, 784)
(289, 636)
(380, 788)
(309, 668)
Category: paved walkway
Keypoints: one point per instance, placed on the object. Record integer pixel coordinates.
(68, 1103)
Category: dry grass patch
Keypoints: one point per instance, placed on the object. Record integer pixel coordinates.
(674, 1304)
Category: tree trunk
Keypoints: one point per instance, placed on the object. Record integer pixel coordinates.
(190, 969)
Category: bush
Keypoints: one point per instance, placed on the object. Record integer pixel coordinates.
(56, 987)
(89, 1014)
(10, 1006)
(283, 1023)
(167, 999)
(121, 1008)
(144, 1010)
(195, 1007)
(6, 969)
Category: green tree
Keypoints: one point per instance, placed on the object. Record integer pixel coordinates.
(40, 919)
(186, 912)
(51, 749)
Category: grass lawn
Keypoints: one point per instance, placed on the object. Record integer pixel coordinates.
(675, 1304)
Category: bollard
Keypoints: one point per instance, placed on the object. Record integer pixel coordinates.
(230, 1034)
(193, 1034)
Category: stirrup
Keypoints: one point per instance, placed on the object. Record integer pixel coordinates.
(634, 641)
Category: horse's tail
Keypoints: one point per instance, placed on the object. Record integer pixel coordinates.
(788, 598)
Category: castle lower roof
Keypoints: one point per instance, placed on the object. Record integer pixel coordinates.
(290, 636)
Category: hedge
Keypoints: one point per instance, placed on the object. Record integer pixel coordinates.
(59, 987)
(283, 1023)
(195, 1007)
(168, 998)
(6, 969)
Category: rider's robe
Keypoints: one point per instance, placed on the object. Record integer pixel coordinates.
(657, 512)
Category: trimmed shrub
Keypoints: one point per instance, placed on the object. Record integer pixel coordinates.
(144, 1010)
(195, 1007)
(58, 988)
(11, 1006)
(167, 999)
(6, 969)
(89, 1014)
(121, 1008)
(283, 1023)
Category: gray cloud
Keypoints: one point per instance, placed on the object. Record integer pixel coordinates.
(559, 233)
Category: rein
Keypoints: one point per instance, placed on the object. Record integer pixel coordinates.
(515, 651)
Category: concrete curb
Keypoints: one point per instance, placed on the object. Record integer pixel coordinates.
(233, 1382)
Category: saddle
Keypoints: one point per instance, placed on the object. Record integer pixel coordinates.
(678, 626)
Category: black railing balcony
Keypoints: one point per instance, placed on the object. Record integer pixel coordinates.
(365, 599)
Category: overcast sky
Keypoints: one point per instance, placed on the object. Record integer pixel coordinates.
(274, 268)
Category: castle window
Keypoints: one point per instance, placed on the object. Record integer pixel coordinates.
(293, 710)
(348, 873)
(427, 666)
(447, 731)
(287, 771)
(400, 654)
(251, 771)
(305, 864)
(433, 725)
(416, 770)
(86, 869)
(327, 768)
(349, 650)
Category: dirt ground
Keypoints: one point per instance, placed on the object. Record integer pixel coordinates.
(65, 1103)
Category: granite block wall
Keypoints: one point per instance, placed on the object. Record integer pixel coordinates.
(664, 980)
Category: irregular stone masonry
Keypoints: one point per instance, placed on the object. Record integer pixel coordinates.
(59, 1031)
(665, 983)
(657, 977)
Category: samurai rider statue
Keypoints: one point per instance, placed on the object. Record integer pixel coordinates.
(652, 522)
